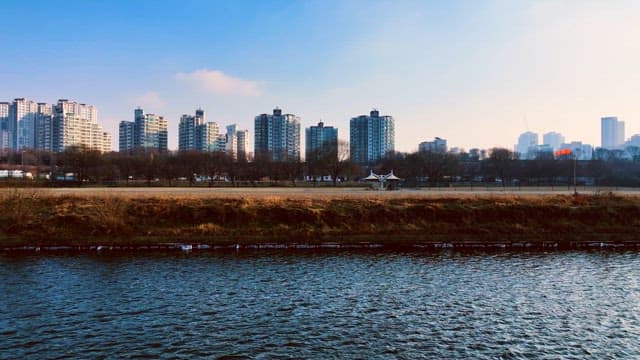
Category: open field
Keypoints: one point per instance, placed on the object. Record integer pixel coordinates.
(319, 192)
(87, 217)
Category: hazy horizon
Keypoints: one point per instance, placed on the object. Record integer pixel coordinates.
(475, 73)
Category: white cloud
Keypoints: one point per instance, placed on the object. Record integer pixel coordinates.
(215, 81)
(149, 100)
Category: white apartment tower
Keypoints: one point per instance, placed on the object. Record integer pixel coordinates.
(438, 145)
(611, 132)
(553, 139)
(76, 124)
(527, 145)
(237, 142)
(25, 124)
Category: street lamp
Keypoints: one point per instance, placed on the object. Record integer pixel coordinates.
(575, 165)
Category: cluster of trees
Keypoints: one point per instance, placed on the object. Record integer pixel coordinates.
(502, 167)
(170, 168)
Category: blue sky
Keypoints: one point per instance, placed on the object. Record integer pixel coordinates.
(477, 73)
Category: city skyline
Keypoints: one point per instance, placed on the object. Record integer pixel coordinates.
(456, 70)
(196, 133)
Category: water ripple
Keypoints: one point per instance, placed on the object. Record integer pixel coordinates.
(321, 305)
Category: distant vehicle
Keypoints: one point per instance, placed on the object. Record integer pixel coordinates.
(66, 177)
(15, 174)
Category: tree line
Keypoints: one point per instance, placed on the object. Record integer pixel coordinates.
(429, 169)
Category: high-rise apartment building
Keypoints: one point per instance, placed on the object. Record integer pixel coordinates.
(553, 139)
(22, 124)
(25, 124)
(125, 135)
(371, 137)
(220, 143)
(106, 141)
(611, 133)
(187, 131)
(208, 137)
(438, 145)
(243, 151)
(76, 124)
(195, 133)
(527, 145)
(277, 136)
(237, 142)
(146, 131)
(4, 126)
(320, 140)
(44, 127)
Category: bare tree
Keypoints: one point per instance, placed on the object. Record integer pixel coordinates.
(501, 161)
(337, 162)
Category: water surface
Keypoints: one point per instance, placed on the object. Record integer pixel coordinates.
(328, 304)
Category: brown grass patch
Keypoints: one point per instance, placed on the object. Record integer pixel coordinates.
(44, 218)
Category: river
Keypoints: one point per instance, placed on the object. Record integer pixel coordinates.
(320, 304)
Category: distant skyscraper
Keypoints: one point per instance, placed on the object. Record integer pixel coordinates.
(150, 131)
(187, 130)
(220, 143)
(243, 152)
(126, 135)
(634, 140)
(76, 124)
(320, 140)
(527, 145)
(579, 150)
(146, 131)
(237, 142)
(611, 132)
(44, 127)
(438, 145)
(22, 124)
(106, 141)
(277, 136)
(195, 133)
(208, 137)
(371, 137)
(553, 139)
(4, 126)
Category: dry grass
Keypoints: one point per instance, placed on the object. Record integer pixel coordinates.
(324, 193)
(41, 217)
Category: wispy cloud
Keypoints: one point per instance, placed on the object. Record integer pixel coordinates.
(217, 82)
(149, 100)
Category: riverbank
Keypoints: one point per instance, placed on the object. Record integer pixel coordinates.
(32, 219)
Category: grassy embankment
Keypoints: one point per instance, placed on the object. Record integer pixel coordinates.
(35, 218)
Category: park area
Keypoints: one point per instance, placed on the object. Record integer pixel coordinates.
(325, 192)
